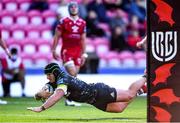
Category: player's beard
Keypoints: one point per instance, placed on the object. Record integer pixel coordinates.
(73, 14)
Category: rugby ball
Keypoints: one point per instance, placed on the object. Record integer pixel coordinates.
(48, 88)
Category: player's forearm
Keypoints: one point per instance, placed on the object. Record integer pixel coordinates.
(55, 43)
(83, 39)
(144, 43)
(3, 45)
(58, 94)
(56, 39)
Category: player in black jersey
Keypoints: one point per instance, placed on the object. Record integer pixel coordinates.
(100, 95)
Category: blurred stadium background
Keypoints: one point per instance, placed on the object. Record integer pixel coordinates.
(31, 30)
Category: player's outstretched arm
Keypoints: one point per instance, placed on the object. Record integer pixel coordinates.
(53, 99)
(3, 45)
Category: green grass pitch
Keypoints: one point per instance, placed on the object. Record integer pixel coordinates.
(15, 112)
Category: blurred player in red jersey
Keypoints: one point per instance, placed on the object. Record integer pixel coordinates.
(3, 45)
(72, 30)
(12, 71)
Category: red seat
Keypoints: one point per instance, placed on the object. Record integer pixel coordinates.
(28, 60)
(10, 5)
(43, 46)
(1, 6)
(7, 17)
(32, 31)
(102, 45)
(21, 17)
(35, 17)
(5, 31)
(90, 46)
(17, 32)
(45, 31)
(49, 17)
(29, 46)
(14, 43)
(24, 4)
(103, 62)
(113, 59)
(41, 60)
(127, 59)
(53, 4)
(140, 57)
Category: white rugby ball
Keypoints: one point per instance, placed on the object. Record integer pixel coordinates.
(48, 88)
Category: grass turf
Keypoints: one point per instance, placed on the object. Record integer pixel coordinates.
(15, 112)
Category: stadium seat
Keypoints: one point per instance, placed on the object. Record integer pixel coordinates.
(102, 45)
(29, 46)
(32, 31)
(104, 26)
(45, 31)
(5, 31)
(43, 46)
(103, 63)
(7, 17)
(140, 58)
(28, 60)
(24, 4)
(113, 59)
(10, 5)
(127, 59)
(17, 32)
(35, 17)
(41, 60)
(1, 6)
(21, 17)
(49, 17)
(14, 43)
(53, 4)
(90, 47)
(110, 14)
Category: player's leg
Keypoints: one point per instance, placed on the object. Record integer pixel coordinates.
(21, 78)
(72, 69)
(117, 107)
(128, 95)
(124, 97)
(6, 87)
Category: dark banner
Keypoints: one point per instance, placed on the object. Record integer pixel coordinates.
(163, 60)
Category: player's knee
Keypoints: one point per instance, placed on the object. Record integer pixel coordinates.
(130, 96)
(73, 73)
(119, 110)
(116, 110)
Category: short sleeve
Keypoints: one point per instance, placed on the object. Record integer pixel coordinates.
(62, 85)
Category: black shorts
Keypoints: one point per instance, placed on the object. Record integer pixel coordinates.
(105, 95)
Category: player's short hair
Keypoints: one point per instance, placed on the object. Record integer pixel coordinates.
(72, 3)
(14, 50)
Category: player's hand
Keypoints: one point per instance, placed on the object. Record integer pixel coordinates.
(35, 109)
(83, 58)
(42, 95)
(55, 55)
(142, 43)
(139, 44)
